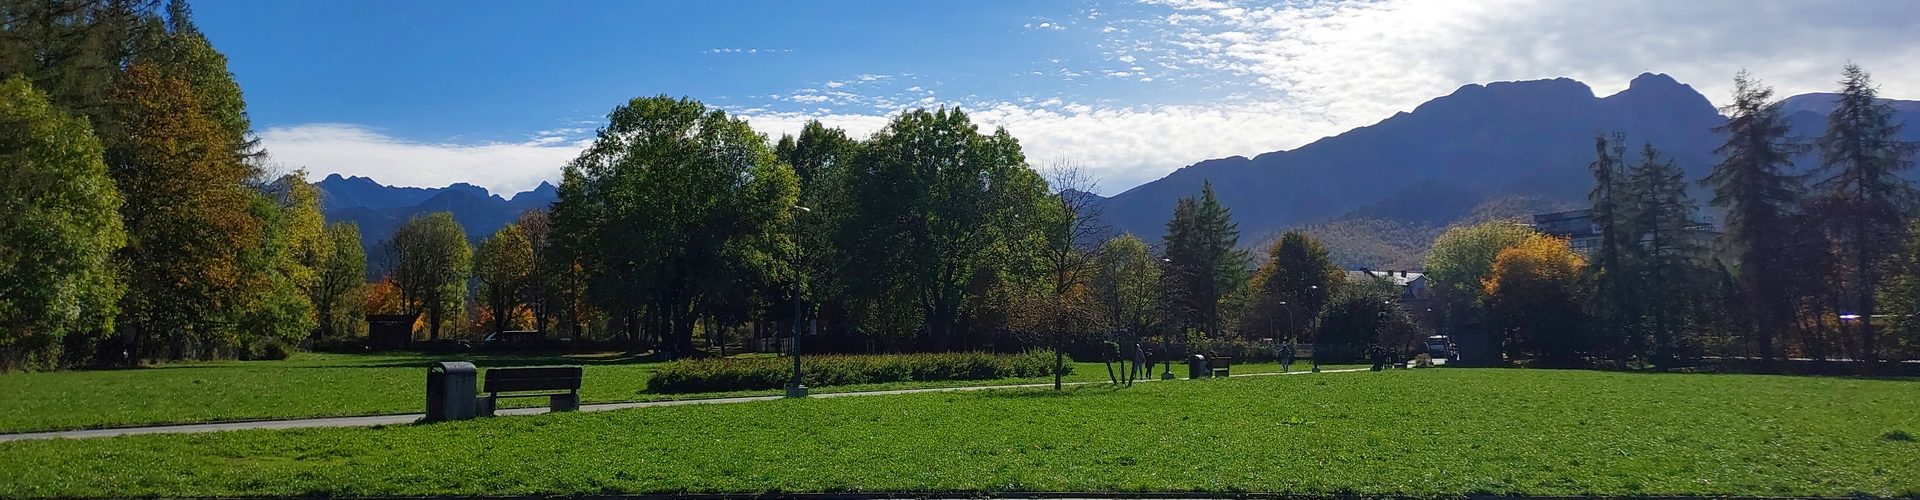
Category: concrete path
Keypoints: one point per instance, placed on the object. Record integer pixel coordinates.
(370, 421)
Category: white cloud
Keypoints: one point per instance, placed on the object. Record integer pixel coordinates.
(502, 167)
(748, 50)
(1123, 146)
(1043, 24)
(1255, 77)
(1361, 61)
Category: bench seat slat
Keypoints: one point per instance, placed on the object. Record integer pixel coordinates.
(545, 378)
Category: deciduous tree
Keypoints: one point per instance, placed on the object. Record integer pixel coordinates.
(504, 264)
(59, 227)
(1533, 292)
(340, 288)
(429, 260)
(1461, 261)
(677, 204)
(935, 206)
(1291, 289)
(190, 219)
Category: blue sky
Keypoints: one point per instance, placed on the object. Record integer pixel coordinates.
(501, 94)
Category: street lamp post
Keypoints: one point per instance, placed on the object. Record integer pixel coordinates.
(1293, 326)
(1166, 345)
(796, 389)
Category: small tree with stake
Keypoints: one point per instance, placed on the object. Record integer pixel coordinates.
(1056, 321)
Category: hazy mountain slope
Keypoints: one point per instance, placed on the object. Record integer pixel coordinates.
(1507, 148)
(380, 210)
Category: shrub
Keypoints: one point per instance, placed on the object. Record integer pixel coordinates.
(714, 375)
(343, 344)
(272, 349)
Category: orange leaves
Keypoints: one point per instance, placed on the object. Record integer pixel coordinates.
(384, 298)
(1536, 262)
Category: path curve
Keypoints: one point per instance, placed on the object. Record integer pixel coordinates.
(377, 420)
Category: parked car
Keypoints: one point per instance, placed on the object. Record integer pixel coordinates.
(1440, 346)
(513, 338)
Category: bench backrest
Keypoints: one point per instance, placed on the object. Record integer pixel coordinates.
(1219, 362)
(538, 378)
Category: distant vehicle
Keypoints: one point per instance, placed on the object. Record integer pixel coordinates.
(1439, 346)
(513, 338)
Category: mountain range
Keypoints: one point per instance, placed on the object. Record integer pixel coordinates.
(1376, 194)
(381, 209)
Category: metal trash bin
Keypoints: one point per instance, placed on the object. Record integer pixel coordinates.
(1197, 367)
(450, 391)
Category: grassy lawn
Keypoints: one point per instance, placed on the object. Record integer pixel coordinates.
(324, 385)
(1412, 432)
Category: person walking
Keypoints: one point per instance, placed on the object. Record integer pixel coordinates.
(1140, 365)
(1286, 356)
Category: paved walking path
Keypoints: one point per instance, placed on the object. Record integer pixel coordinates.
(370, 421)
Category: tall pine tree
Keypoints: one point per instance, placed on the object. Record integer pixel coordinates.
(1862, 158)
(1611, 207)
(1753, 183)
(1203, 262)
(1666, 255)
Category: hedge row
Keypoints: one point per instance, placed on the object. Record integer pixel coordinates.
(714, 375)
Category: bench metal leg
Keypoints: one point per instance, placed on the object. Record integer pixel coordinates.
(484, 405)
(564, 402)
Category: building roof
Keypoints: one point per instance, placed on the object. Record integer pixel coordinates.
(1583, 213)
(1401, 278)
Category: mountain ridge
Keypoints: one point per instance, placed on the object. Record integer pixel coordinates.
(1483, 150)
(1530, 139)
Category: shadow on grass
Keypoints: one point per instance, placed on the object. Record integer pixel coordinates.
(1049, 392)
(422, 360)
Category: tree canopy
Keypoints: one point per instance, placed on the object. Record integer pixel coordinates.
(59, 229)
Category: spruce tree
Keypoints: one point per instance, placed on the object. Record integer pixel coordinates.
(1611, 205)
(1178, 271)
(1666, 255)
(1862, 158)
(1204, 259)
(1754, 184)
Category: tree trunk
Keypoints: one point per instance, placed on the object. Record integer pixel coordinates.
(433, 323)
(1059, 363)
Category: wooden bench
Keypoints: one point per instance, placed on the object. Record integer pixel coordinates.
(1219, 367)
(560, 384)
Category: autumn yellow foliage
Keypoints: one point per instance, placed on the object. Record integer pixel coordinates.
(1540, 260)
(1533, 295)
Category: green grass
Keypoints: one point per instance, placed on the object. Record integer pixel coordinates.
(328, 385)
(1412, 432)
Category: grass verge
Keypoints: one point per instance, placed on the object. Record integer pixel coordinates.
(333, 385)
(1410, 432)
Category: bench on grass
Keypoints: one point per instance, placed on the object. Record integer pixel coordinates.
(1219, 367)
(560, 384)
